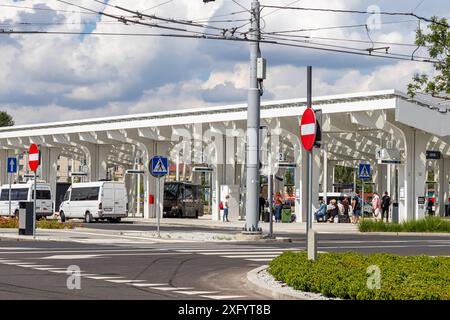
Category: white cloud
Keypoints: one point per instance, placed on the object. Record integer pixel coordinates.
(60, 77)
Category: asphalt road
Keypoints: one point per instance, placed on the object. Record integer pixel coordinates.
(174, 271)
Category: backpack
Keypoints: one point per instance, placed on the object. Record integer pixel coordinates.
(221, 205)
(358, 203)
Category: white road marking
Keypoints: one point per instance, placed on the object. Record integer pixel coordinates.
(103, 277)
(50, 269)
(34, 266)
(71, 256)
(241, 253)
(125, 281)
(170, 288)
(253, 256)
(260, 259)
(221, 297)
(196, 292)
(143, 285)
(17, 248)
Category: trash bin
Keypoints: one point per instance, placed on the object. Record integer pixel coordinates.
(26, 218)
(286, 214)
(395, 212)
(266, 216)
(447, 210)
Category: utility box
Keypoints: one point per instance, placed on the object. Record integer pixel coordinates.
(261, 66)
(421, 207)
(26, 218)
(395, 212)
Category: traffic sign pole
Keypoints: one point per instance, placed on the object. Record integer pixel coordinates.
(9, 212)
(34, 206)
(308, 136)
(33, 162)
(11, 168)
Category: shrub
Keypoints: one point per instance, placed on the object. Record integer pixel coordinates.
(344, 275)
(429, 224)
(13, 223)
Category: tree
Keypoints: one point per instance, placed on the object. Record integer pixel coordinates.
(437, 40)
(5, 119)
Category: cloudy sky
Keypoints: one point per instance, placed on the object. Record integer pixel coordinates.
(73, 76)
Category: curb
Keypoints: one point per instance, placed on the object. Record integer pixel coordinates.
(256, 285)
(402, 234)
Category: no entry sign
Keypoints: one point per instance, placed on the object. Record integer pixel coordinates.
(308, 129)
(33, 157)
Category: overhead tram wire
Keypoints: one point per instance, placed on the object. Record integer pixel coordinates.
(170, 20)
(43, 9)
(157, 6)
(360, 12)
(335, 27)
(126, 20)
(343, 47)
(212, 37)
(340, 39)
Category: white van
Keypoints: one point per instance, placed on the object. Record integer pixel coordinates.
(95, 200)
(25, 192)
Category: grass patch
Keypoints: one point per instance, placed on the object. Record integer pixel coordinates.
(429, 224)
(345, 275)
(13, 223)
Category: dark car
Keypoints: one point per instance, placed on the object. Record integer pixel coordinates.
(182, 200)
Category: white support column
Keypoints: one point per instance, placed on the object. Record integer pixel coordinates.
(298, 192)
(177, 169)
(446, 180)
(317, 170)
(49, 167)
(440, 184)
(149, 182)
(325, 173)
(162, 149)
(3, 171)
(217, 181)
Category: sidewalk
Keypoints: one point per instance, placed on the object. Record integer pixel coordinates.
(206, 222)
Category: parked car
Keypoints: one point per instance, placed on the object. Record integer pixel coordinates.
(105, 200)
(25, 192)
(182, 199)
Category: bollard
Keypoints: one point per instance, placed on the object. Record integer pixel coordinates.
(26, 218)
(312, 245)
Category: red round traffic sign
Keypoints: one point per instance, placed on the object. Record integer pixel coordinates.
(33, 157)
(308, 129)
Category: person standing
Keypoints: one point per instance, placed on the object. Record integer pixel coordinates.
(262, 205)
(385, 204)
(278, 206)
(376, 206)
(225, 209)
(356, 206)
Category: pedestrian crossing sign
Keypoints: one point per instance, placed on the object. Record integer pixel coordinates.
(159, 166)
(364, 171)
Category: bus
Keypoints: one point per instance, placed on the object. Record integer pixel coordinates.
(182, 200)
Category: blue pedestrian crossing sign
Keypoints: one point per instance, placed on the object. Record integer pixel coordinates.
(12, 165)
(159, 166)
(364, 171)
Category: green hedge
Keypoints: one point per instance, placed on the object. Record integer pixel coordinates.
(429, 224)
(344, 275)
(13, 223)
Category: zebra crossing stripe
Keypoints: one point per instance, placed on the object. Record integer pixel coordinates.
(143, 285)
(103, 277)
(190, 293)
(125, 281)
(260, 259)
(170, 288)
(253, 256)
(221, 297)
